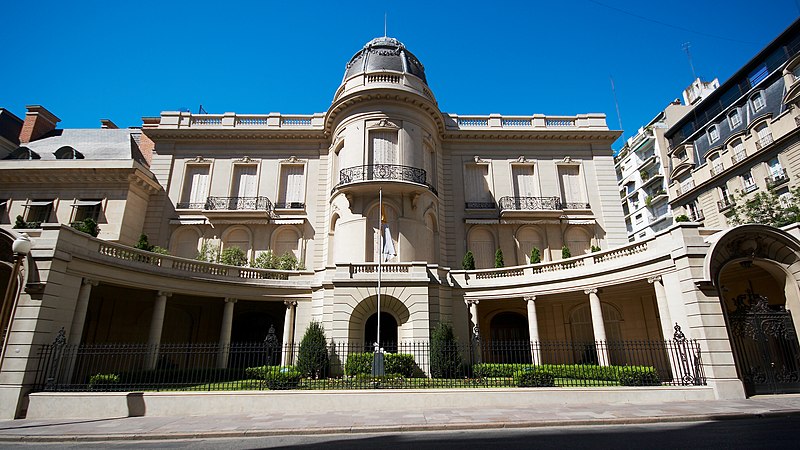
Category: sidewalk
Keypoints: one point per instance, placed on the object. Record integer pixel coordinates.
(140, 428)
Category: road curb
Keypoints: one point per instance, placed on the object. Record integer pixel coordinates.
(361, 429)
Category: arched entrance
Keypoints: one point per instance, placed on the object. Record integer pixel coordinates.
(510, 341)
(753, 268)
(388, 332)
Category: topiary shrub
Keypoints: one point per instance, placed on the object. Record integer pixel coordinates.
(533, 377)
(498, 259)
(401, 364)
(595, 248)
(565, 253)
(639, 376)
(233, 256)
(88, 226)
(143, 243)
(536, 256)
(469, 261)
(312, 357)
(682, 218)
(287, 261)
(358, 364)
(445, 357)
(277, 377)
(208, 252)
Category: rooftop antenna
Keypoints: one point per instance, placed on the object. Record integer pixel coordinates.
(201, 110)
(686, 46)
(384, 24)
(616, 104)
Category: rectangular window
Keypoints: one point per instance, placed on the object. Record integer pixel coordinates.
(758, 74)
(570, 179)
(524, 184)
(292, 189)
(195, 187)
(476, 186)
(39, 211)
(86, 209)
(713, 135)
(245, 181)
(758, 102)
(748, 183)
(734, 119)
(384, 147)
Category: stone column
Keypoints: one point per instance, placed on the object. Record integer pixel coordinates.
(225, 333)
(663, 307)
(475, 332)
(288, 333)
(156, 325)
(78, 321)
(533, 330)
(599, 327)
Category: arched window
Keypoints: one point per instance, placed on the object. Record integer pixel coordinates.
(185, 242)
(481, 244)
(67, 152)
(237, 237)
(528, 238)
(286, 240)
(23, 153)
(577, 240)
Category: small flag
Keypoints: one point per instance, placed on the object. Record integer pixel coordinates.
(387, 249)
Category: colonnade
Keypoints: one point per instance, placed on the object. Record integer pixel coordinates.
(598, 324)
(157, 325)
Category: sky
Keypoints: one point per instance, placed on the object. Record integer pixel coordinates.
(87, 60)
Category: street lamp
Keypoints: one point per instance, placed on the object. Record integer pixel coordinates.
(20, 248)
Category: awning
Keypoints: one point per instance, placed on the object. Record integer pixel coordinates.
(86, 203)
(39, 203)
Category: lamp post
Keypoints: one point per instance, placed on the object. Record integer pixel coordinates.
(20, 248)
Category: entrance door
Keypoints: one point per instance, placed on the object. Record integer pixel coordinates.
(766, 347)
(388, 332)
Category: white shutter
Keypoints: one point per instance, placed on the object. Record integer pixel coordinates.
(246, 181)
(477, 183)
(523, 180)
(570, 184)
(384, 144)
(196, 184)
(292, 189)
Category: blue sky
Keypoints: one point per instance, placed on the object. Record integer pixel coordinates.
(90, 60)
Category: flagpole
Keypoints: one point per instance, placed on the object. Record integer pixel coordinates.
(380, 257)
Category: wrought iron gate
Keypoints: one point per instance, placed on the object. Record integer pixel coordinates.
(765, 342)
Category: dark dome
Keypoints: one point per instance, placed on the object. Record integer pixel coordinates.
(385, 53)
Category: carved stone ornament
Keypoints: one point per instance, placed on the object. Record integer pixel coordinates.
(414, 199)
(385, 123)
(522, 159)
(478, 160)
(567, 159)
(293, 160)
(245, 159)
(199, 159)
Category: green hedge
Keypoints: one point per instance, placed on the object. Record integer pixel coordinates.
(402, 364)
(277, 377)
(533, 377)
(635, 375)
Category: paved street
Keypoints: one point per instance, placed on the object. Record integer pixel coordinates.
(714, 418)
(773, 433)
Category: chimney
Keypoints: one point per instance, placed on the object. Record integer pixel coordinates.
(107, 123)
(38, 122)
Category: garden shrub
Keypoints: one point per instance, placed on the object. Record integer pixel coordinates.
(533, 377)
(312, 357)
(536, 256)
(498, 259)
(445, 357)
(682, 218)
(469, 261)
(266, 260)
(88, 226)
(287, 261)
(400, 364)
(277, 377)
(233, 256)
(639, 376)
(103, 381)
(565, 253)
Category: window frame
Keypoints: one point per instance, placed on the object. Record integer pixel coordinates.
(734, 113)
(755, 105)
(96, 210)
(713, 134)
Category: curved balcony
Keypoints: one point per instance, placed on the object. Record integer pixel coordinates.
(383, 172)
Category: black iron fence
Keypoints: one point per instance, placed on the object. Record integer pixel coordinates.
(238, 366)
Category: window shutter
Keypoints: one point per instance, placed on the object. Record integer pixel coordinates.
(384, 145)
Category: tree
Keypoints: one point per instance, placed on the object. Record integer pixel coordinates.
(312, 357)
(143, 244)
(445, 357)
(536, 257)
(565, 253)
(233, 256)
(498, 259)
(88, 226)
(469, 261)
(208, 252)
(266, 260)
(767, 208)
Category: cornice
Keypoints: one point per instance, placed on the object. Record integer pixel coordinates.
(384, 94)
(532, 135)
(182, 134)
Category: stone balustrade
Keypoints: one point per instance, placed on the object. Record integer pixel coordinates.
(534, 122)
(180, 119)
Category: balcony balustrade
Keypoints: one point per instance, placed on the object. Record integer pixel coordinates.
(739, 156)
(538, 204)
(777, 178)
(380, 172)
(764, 141)
(238, 204)
(725, 204)
(480, 205)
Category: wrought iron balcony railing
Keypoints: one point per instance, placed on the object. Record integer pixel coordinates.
(725, 203)
(392, 172)
(290, 205)
(480, 205)
(190, 205)
(538, 204)
(238, 204)
(777, 178)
